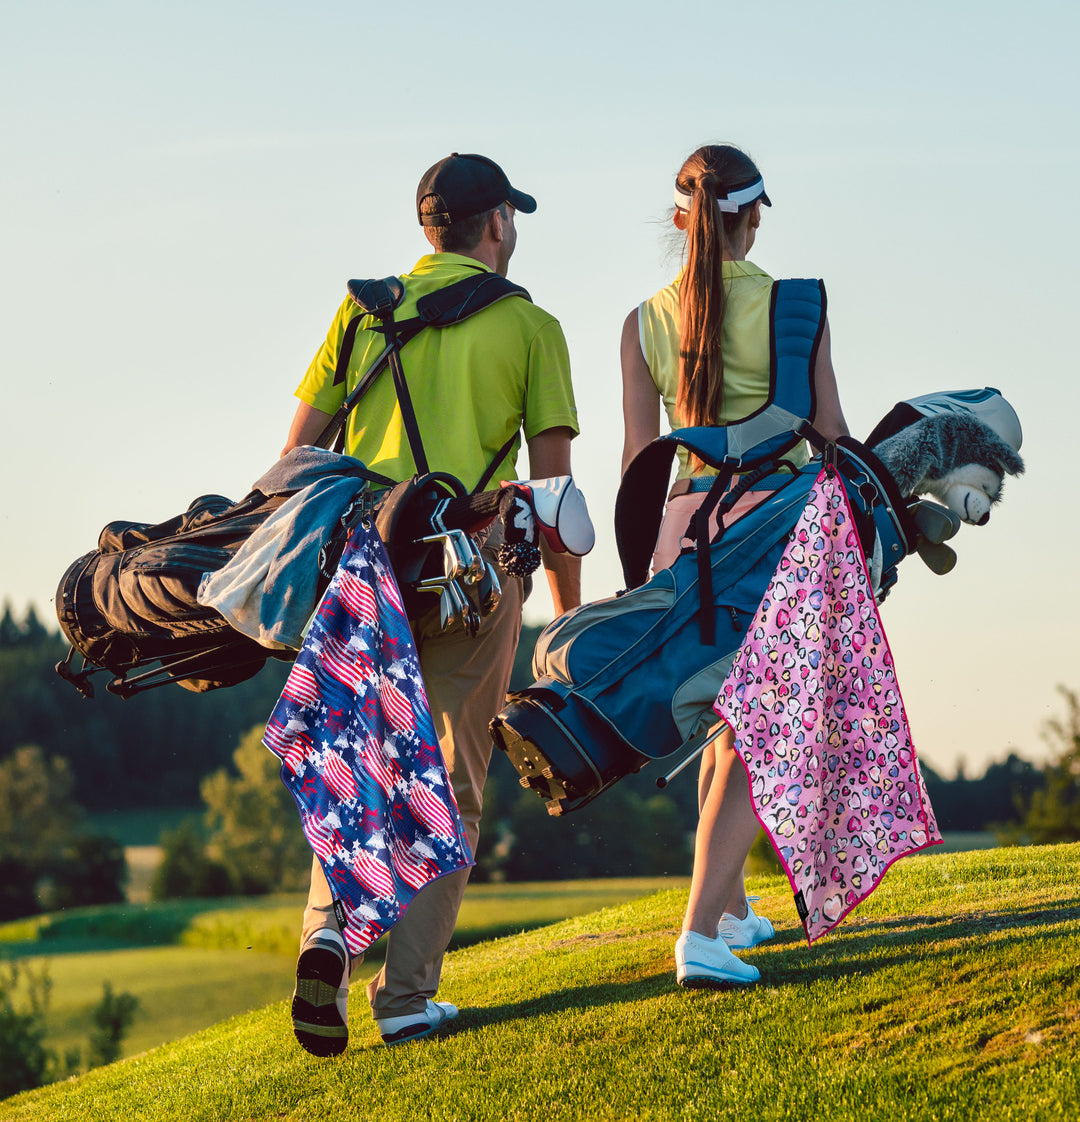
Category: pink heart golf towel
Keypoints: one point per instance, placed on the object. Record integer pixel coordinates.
(819, 723)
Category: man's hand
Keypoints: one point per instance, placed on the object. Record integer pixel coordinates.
(549, 455)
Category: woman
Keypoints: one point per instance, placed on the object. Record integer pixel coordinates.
(701, 346)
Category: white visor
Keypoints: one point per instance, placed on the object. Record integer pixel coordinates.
(731, 202)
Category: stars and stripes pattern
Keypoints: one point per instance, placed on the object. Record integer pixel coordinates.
(359, 752)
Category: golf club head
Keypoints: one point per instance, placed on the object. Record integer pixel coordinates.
(936, 523)
(938, 557)
(489, 591)
(460, 559)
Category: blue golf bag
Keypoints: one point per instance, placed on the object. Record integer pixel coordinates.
(633, 678)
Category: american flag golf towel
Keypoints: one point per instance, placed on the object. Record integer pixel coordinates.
(359, 751)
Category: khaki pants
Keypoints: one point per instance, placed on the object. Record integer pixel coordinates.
(466, 681)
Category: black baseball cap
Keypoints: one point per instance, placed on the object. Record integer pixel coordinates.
(464, 185)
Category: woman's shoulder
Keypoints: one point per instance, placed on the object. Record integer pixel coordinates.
(746, 274)
(664, 300)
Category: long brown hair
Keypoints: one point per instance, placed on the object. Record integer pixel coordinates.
(708, 173)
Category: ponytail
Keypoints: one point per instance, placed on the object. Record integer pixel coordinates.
(702, 299)
(709, 174)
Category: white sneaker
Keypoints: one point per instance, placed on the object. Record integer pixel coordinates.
(413, 1026)
(320, 1004)
(700, 961)
(742, 934)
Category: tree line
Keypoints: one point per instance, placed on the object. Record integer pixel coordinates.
(171, 748)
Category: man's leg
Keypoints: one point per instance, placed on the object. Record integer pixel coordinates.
(466, 682)
(320, 1001)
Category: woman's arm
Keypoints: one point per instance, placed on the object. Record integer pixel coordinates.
(829, 417)
(641, 399)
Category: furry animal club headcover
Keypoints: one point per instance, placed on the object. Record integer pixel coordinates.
(954, 457)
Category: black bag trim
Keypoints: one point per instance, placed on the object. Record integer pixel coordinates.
(442, 308)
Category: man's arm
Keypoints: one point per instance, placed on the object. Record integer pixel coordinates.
(308, 422)
(549, 455)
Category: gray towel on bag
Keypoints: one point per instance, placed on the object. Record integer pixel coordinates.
(270, 588)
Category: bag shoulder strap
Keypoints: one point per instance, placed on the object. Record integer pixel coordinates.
(451, 304)
(796, 324)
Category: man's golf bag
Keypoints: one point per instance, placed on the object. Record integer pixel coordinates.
(137, 606)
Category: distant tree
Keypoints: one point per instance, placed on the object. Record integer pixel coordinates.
(10, 631)
(90, 869)
(252, 823)
(185, 869)
(26, 634)
(26, 1061)
(33, 632)
(112, 1017)
(47, 859)
(621, 834)
(18, 881)
(1053, 814)
(37, 813)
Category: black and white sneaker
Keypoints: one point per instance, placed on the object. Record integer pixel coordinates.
(320, 1013)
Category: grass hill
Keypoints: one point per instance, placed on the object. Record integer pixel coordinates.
(953, 993)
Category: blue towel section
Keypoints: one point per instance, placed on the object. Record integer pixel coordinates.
(270, 588)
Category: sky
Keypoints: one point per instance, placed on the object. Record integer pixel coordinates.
(186, 189)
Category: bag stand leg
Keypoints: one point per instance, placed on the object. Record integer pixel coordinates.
(696, 746)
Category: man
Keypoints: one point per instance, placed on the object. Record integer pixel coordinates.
(473, 384)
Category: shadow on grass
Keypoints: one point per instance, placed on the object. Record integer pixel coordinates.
(868, 948)
(865, 948)
(577, 1000)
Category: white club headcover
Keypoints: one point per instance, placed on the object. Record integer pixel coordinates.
(987, 405)
(560, 512)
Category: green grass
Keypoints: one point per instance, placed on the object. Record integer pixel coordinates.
(193, 963)
(180, 991)
(953, 993)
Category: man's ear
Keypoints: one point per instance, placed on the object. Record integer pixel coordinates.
(497, 225)
(755, 215)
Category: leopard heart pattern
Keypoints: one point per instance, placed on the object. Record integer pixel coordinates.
(819, 723)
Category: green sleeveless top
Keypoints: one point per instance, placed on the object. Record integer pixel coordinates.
(745, 345)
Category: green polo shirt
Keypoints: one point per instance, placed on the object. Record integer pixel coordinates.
(472, 384)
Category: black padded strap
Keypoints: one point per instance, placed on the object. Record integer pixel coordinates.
(348, 341)
(639, 508)
(441, 308)
(401, 388)
(706, 608)
(464, 298)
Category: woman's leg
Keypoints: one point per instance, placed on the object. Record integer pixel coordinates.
(726, 830)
